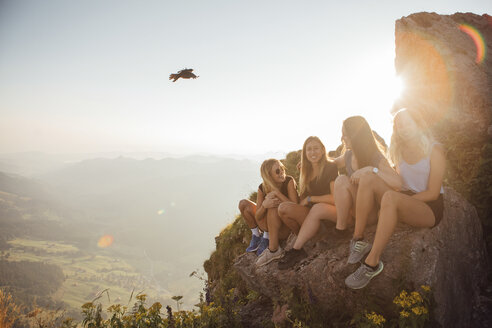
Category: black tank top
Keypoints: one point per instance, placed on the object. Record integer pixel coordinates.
(283, 189)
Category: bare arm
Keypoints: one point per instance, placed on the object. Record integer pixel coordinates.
(389, 175)
(385, 172)
(340, 161)
(437, 169)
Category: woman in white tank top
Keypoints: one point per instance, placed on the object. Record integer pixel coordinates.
(420, 162)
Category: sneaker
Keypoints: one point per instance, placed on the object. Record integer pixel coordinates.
(291, 257)
(262, 246)
(254, 243)
(268, 256)
(358, 249)
(360, 278)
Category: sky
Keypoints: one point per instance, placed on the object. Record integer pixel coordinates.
(92, 76)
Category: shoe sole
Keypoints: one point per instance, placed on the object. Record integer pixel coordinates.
(367, 283)
(252, 250)
(366, 250)
(270, 260)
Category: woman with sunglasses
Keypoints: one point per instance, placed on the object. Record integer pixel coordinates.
(277, 187)
(420, 163)
(316, 182)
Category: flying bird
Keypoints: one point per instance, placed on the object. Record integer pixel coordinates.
(186, 73)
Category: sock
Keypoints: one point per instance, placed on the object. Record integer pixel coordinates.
(370, 266)
(256, 232)
(265, 235)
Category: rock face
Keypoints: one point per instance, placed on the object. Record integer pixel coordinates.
(446, 64)
(450, 258)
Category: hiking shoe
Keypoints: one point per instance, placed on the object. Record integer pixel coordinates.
(268, 256)
(262, 246)
(360, 278)
(254, 243)
(291, 257)
(358, 249)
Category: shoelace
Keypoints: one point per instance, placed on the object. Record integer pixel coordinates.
(360, 272)
(359, 245)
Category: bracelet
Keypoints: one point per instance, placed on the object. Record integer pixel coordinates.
(309, 200)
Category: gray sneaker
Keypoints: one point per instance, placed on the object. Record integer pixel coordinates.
(268, 256)
(360, 278)
(358, 249)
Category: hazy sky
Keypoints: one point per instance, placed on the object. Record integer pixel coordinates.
(92, 76)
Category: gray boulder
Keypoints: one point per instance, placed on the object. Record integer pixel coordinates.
(450, 258)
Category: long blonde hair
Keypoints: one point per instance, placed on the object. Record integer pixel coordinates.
(307, 167)
(269, 183)
(425, 139)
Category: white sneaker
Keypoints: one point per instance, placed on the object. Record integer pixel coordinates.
(268, 256)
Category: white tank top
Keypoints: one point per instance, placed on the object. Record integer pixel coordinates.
(416, 176)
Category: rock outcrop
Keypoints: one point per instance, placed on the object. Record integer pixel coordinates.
(450, 258)
(446, 64)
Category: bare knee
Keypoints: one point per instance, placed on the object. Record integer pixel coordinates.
(367, 181)
(284, 209)
(342, 181)
(390, 199)
(243, 205)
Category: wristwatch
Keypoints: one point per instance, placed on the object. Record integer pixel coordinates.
(375, 170)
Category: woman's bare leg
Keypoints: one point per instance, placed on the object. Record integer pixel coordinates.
(344, 194)
(274, 226)
(397, 206)
(248, 211)
(310, 227)
(293, 215)
(369, 193)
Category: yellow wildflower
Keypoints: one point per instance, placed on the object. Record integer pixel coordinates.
(417, 310)
(404, 314)
(416, 298)
(425, 288)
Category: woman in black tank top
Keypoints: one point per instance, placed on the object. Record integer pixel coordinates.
(318, 175)
(277, 187)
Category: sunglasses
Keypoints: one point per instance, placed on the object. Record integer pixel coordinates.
(277, 171)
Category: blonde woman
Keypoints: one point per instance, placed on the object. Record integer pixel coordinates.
(420, 163)
(277, 187)
(316, 182)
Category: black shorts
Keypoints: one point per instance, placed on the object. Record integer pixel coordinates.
(437, 206)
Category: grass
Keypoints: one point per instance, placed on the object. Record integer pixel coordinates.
(87, 275)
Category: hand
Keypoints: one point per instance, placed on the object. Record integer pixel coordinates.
(304, 202)
(272, 194)
(271, 202)
(355, 177)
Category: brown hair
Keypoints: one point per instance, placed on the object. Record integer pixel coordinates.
(362, 140)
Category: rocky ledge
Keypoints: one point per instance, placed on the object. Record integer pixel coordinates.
(450, 258)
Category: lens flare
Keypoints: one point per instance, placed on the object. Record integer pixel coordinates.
(478, 39)
(160, 212)
(105, 241)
